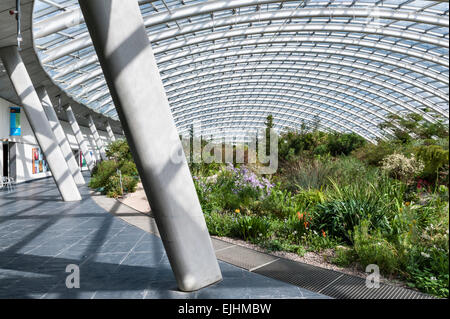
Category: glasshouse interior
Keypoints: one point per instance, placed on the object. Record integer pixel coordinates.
(224, 149)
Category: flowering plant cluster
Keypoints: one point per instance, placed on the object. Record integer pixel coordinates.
(400, 167)
(245, 178)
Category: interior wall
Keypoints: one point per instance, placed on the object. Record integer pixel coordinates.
(27, 141)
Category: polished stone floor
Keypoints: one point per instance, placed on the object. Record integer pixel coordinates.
(40, 235)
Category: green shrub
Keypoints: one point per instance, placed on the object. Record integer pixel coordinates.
(344, 256)
(233, 188)
(112, 187)
(344, 143)
(349, 170)
(95, 169)
(219, 224)
(374, 249)
(292, 144)
(338, 218)
(280, 203)
(434, 158)
(306, 174)
(279, 244)
(400, 167)
(119, 151)
(373, 154)
(407, 126)
(317, 174)
(128, 168)
(104, 170)
(129, 183)
(251, 227)
(319, 240)
(426, 281)
(105, 175)
(309, 198)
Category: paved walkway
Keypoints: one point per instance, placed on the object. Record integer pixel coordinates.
(40, 235)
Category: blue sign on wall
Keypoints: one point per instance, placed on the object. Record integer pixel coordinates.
(14, 121)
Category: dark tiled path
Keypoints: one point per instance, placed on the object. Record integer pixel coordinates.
(40, 235)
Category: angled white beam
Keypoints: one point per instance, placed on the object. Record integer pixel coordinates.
(82, 143)
(132, 75)
(97, 140)
(60, 136)
(112, 138)
(39, 123)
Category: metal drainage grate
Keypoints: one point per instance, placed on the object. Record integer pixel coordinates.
(244, 257)
(220, 244)
(351, 287)
(299, 274)
(332, 283)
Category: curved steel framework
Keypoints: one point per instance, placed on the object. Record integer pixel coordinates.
(227, 64)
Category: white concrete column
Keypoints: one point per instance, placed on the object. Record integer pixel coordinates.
(60, 136)
(130, 69)
(1, 159)
(112, 138)
(39, 123)
(80, 139)
(97, 140)
(93, 148)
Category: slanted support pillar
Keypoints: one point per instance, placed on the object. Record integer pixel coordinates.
(112, 138)
(79, 137)
(39, 123)
(97, 140)
(126, 57)
(60, 136)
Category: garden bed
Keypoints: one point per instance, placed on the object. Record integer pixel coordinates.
(335, 201)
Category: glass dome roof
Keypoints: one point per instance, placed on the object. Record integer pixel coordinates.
(227, 64)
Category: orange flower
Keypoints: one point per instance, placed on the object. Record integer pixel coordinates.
(323, 233)
(306, 224)
(299, 215)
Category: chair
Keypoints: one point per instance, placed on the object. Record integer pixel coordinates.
(8, 182)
